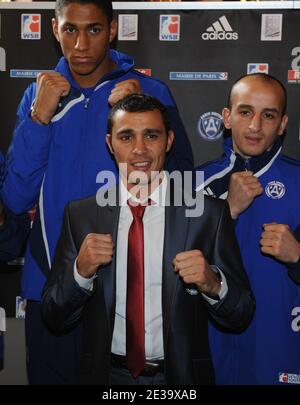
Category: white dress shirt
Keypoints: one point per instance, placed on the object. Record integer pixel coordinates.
(154, 228)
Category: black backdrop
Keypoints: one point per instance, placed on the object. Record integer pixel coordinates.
(190, 53)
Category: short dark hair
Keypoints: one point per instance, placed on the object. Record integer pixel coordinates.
(103, 5)
(139, 103)
(266, 78)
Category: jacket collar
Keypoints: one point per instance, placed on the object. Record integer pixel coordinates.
(217, 184)
(255, 163)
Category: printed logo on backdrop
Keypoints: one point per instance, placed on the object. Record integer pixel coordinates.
(25, 74)
(20, 307)
(2, 320)
(294, 74)
(146, 71)
(210, 126)
(31, 26)
(220, 30)
(128, 27)
(289, 378)
(275, 189)
(257, 68)
(198, 76)
(169, 27)
(271, 27)
(2, 60)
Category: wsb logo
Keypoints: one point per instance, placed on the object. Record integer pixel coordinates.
(296, 321)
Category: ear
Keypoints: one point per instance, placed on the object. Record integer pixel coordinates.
(108, 143)
(113, 30)
(170, 140)
(226, 118)
(283, 124)
(55, 28)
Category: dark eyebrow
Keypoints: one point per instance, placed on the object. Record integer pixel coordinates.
(274, 110)
(245, 106)
(152, 131)
(126, 131)
(69, 24)
(241, 106)
(94, 24)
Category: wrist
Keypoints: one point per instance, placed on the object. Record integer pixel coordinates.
(36, 117)
(233, 213)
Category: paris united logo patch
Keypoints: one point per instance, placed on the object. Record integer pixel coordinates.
(275, 189)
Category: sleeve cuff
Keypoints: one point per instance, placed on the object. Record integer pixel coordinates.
(224, 287)
(83, 282)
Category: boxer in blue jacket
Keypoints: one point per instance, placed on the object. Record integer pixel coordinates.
(262, 187)
(59, 148)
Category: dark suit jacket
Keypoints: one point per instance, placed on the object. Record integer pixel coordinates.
(294, 268)
(185, 316)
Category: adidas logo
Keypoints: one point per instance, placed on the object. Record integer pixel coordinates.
(220, 30)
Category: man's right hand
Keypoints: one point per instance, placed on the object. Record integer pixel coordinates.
(96, 250)
(243, 188)
(50, 87)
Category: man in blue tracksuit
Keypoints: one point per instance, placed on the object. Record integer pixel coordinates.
(59, 148)
(262, 187)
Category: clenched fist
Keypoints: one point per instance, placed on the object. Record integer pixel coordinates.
(50, 87)
(243, 188)
(194, 269)
(96, 250)
(277, 240)
(123, 89)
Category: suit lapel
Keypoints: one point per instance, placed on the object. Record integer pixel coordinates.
(176, 227)
(107, 223)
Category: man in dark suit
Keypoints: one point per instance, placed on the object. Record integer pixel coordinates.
(191, 266)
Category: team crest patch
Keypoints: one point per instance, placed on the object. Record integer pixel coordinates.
(275, 189)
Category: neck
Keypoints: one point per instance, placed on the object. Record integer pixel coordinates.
(90, 80)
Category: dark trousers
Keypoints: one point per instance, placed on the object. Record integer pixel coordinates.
(50, 359)
(121, 376)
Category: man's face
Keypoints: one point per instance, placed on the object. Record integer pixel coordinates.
(84, 35)
(140, 140)
(255, 117)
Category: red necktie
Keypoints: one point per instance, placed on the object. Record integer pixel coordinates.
(135, 321)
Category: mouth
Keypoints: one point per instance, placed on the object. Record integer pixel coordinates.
(141, 166)
(81, 59)
(253, 140)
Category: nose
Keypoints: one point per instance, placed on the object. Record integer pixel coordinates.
(255, 123)
(139, 146)
(81, 41)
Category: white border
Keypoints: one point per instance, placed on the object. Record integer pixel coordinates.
(187, 5)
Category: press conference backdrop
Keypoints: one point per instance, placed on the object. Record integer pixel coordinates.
(198, 49)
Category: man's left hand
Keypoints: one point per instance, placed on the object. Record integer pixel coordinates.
(278, 240)
(123, 89)
(194, 269)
